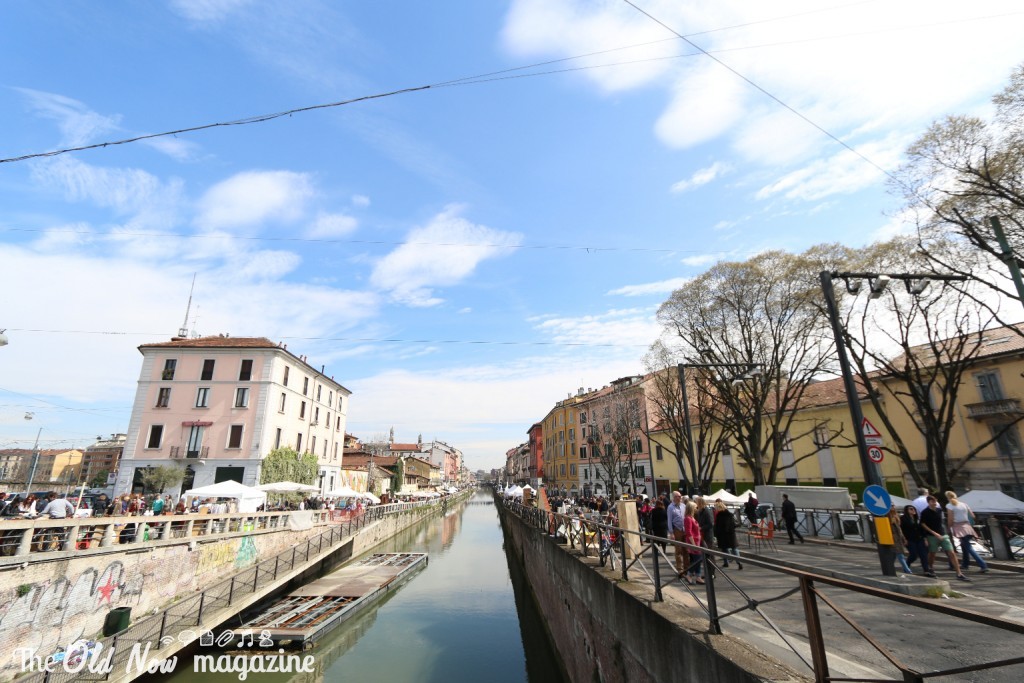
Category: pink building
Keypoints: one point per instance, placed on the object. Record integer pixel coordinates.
(218, 405)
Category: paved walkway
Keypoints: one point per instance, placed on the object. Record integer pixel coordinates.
(924, 639)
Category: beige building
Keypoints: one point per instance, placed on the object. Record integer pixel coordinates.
(216, 406)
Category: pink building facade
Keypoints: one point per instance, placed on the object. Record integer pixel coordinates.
(218, 405)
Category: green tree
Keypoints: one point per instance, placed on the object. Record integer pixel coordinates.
(158, 478)
(285, 464)
(99, 480)
(399, 479)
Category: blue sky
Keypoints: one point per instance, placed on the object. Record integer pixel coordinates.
(510, 238)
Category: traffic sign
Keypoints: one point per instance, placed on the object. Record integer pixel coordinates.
(877, 500)
(872, 436)
(875, 454)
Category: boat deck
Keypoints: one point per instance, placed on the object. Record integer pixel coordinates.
(317, 607)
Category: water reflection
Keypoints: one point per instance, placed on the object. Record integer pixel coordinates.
(454, 621)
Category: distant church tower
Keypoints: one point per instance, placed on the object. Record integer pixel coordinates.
(391, 436)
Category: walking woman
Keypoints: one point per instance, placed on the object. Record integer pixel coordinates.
(959, 521)
(725, 533)
(692, 535)
(917, 546)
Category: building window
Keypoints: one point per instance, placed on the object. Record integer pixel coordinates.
(561, 437)
(241, 397)
(608, 450)
(203, 397)
(572, 434)
(302, 410)
(561, 470)
(207, 374)
(583, 452)
(156, 434)
(312, 444)
(163, 397)
(335, 450)
(583, 418)
(235, 436)
(330, 398)
(245, 372)
(298, 442)
(821, 436)
(287, 370)
(657, 453)
(319, 391)
(572, 470)
(316, 415)
(640, 471)
(169, 365)
(341, 406)
(338, 428)
(586, 474)
(988, 386)
(1008, 444)
(638, 445)
(305, 386)
(284, 400)
(277, 439)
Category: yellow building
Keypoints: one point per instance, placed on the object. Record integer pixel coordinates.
(984, 445)
(562, 440)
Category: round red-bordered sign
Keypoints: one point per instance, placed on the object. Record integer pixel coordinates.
(875, 454)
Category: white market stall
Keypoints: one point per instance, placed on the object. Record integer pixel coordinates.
(248, 497)
(992, 502)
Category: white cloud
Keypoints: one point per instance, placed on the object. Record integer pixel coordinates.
(630, 327)
(701, 177)
(204, 11)
(440, 254)
(662, 287)
(126, 190)
(78, 124)
(329, 225)
(360, 200)
(700, 260)
(252, 198)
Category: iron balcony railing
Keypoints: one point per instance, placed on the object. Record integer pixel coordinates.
(1006, 407)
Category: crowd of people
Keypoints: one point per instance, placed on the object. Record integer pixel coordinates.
(926, 528)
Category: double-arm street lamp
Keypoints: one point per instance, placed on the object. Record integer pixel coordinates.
(916, 284)
(750, 370)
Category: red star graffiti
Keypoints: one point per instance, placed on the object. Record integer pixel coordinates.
(107, 589)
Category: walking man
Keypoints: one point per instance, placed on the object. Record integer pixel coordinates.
(789, 517)
(676, 529)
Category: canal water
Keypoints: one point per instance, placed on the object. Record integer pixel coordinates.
(461, 619)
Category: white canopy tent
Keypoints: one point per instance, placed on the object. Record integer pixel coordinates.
(992, 502)
(370, 497)
(287, 487)
(514, 492)
(344, 492)
(248, 497)
(725, 497)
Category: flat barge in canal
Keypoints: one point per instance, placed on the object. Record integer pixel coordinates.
(307, 614)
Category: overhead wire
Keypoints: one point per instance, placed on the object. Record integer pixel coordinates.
(500, 75)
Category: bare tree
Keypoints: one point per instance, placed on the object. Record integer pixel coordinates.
(665, 399)
(959, 175)
(616, 432)
(763, 313)
(912, 354)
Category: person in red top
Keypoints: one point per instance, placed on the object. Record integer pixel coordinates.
(691, 532)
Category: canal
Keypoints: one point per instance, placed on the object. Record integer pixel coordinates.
(465, 617)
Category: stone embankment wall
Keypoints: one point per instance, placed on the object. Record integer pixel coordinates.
(605, 629)
(49, 603)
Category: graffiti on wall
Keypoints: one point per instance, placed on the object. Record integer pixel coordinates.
(247, 553)
(50, 613)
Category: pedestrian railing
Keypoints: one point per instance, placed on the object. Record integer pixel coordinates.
(612, 545)
(182, 622)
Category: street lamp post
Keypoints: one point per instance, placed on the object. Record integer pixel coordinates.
(877, 282)
(34, 465)
(751, 370)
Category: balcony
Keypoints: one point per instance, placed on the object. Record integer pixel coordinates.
(177, 452)
(994, 410)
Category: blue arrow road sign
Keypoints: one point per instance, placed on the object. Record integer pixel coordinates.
(877, 500)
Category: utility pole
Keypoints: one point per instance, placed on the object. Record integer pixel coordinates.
(34, 465)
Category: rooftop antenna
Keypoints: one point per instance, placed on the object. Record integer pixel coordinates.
(183, 330)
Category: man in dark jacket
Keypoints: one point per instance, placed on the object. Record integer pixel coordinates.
(789, 517)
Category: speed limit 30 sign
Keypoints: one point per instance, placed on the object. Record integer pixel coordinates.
(875, 454)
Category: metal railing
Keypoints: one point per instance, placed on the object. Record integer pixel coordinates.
(183, 620)
(613, 545)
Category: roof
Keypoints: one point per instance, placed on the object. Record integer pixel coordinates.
(216, 342)
(998, 341)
